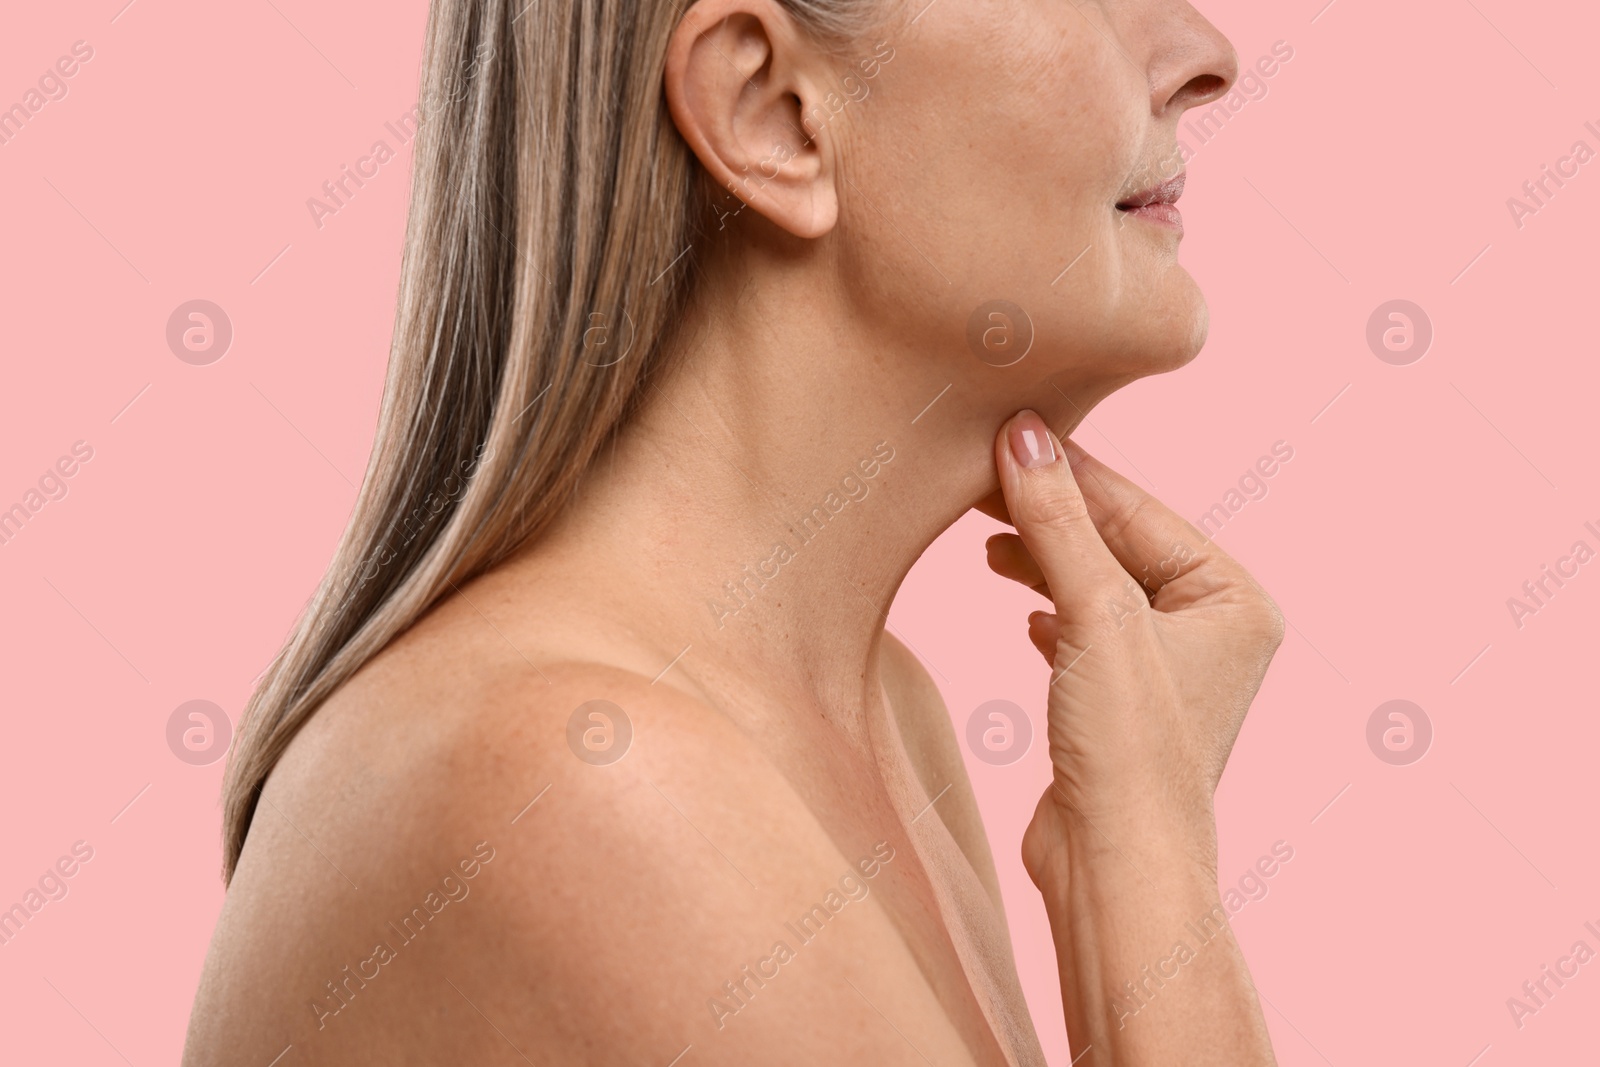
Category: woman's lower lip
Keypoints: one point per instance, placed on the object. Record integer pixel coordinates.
(1160, 214)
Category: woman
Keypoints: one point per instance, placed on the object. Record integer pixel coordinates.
(591, 747)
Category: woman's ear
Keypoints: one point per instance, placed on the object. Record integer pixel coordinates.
(740, 77)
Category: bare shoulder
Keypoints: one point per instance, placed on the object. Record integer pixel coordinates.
(469, 857)
(930, 739)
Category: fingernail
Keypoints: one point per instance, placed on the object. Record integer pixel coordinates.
(1030, 441)
(1075, 455)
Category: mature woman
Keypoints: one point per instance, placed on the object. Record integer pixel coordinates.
(592, 747)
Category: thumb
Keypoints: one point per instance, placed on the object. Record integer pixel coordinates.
(1049, 513)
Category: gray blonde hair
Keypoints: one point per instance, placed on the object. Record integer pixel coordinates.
(551, 193)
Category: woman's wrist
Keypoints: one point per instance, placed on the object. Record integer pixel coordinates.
(1163, 842)
(1141, 935)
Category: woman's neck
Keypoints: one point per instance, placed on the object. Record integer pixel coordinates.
(785, 474)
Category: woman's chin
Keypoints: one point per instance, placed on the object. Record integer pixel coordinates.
(1148, 344)
(1170, 340)
(1195, 336)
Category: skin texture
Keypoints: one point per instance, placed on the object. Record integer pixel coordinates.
(782, 750)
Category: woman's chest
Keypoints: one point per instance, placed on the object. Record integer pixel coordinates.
(924, 879)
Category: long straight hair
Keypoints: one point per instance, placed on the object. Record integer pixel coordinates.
(555, 217)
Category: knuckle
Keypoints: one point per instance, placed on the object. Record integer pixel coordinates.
(1269, 619)
(1053, 507)
(1129, 516)
(1125, 601)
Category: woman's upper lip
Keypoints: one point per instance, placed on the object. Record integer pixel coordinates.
(1165, 193)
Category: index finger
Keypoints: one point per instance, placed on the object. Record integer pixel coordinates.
(1051, 515)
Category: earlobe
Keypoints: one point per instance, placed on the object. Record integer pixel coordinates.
(736, 81)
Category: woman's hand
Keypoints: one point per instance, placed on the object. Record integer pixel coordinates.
(1158, 642)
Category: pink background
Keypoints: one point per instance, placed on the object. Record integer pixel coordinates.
(1377, 167)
